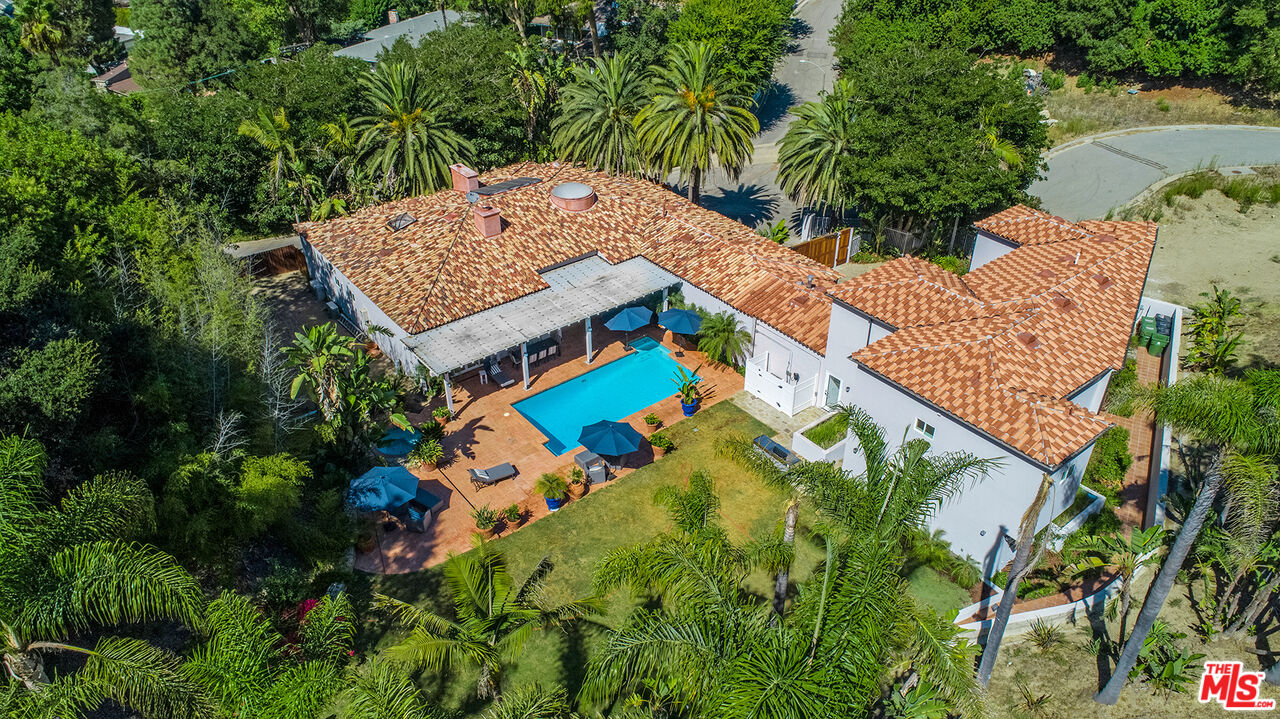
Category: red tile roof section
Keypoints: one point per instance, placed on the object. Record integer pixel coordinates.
(1004, 348)
(1023, 225)
(441, 269)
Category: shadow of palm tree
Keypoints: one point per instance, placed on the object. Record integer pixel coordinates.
(775, 105)
(748, 204)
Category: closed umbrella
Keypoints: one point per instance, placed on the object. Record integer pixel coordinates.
(382, 488)
(684, 322)
(612, 438)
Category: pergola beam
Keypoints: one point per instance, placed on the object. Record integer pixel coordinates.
(588, 340)
(524, 362)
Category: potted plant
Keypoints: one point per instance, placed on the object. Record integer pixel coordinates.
(427, 453)
(370, 345)
(661, 444)
(486, 520)
(553, 488)
(366, 537)
(442, 415)
(512, 515)
(577, 487)
(653, 421)
(687, 386)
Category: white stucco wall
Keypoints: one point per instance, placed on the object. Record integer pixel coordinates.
(352, 301)
(975, 520)
(1090, 396)
(986, 248)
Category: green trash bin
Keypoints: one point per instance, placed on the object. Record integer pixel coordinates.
(1146, 328)
(1158, 344)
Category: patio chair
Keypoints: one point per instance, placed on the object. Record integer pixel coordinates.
(481, 478)
(496, 373)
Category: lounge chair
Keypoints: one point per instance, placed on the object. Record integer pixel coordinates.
(481, 478)
(775, 451)
(497, 375)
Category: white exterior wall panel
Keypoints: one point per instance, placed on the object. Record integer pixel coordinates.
(986, 249)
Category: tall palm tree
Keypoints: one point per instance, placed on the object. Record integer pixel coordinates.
(41, 34)
(495, 617)
(70, 569)
(251, 671)
(1241, 419)
(1125, 555)
(723, 340)
(816, 142)
(698, 116)
(407, 141)
(596, 124)
(274, 133)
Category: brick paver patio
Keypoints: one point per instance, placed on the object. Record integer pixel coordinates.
(486, 431)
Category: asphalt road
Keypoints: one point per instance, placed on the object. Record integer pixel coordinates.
(1092, 175)
(809, 68)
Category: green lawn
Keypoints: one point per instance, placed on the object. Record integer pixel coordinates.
(620, 514)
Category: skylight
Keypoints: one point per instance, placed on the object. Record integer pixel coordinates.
(401, 221)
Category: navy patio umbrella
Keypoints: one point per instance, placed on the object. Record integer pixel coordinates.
(383, 488)
(612, 438)
(683, 322)
(630, 318)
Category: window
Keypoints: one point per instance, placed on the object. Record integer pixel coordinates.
(924, 428)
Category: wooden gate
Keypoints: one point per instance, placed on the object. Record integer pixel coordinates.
(833, 249)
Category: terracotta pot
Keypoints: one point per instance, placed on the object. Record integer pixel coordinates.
(440, 420)
(372, 349)
(577, 490)
(489, 533)
(366, 544)
(655, 427)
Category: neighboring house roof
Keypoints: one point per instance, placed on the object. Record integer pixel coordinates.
(440, 268)
(118, 79)
(1004, 346)
(412, 29)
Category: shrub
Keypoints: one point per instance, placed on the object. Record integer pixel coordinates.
(431, 431)
(1244, 191)
(955, 265)
(1053, 80)
(284, 585)
(1084, 82)
(652, 420)
(441, 413)
(661, 441)
(511, 514)
(1045, 635)
(426, 451)
(1109, 463)
(1104, 523)
(1213, 334)
(1162, 105)
(1118, 388)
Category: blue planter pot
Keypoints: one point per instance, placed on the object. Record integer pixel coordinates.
(554, 504)
(688, 409)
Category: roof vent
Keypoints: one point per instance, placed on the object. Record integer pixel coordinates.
(488, 220)
(1104, 282)
(1028, 340)
(1107, 238)
(573, 196)
(1064, 303)
(401, 221)
(1047, 274)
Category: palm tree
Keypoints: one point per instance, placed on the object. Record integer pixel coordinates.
(250, 669)
(723, 340)
(70, 569)
(320, 356)
(1006, 153)
(406, 140)
(272, 132)
(698, 116)
(596, 124)
(40, 33)
(1241, 418)
(1126, 556)
(536, 78)
(494, 617)
(816, 142)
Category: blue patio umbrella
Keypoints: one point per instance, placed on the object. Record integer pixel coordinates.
(684, 322)
(612, 438)
(382, 488)
(630, 318)
(397, 442)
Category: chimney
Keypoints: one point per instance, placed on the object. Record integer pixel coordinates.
(465, 179)
(392, 17)
(488, 220)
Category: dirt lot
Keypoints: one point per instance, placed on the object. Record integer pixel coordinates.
(1208, 241)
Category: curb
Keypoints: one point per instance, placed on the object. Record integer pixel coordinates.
(1087, 139)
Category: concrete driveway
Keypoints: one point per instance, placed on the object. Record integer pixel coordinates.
(1089, 176)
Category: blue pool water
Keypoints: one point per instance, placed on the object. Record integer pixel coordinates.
(616, 390)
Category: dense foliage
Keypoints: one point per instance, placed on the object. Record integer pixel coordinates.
(1236, 38)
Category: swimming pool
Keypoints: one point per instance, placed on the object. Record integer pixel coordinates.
(616, 390)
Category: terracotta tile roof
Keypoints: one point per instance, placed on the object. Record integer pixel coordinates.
(1023, 333)
(440, 268)
(1023, 225)
(909, 291)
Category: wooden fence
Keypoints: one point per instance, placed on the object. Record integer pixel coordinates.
(833, 249)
